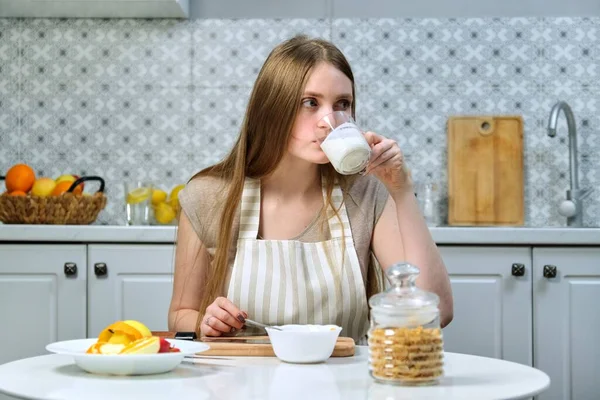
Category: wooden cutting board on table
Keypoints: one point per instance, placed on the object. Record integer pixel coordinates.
(485, 170)
(256, 346)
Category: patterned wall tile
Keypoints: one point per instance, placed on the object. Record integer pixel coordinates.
(159, 100)
(231, 52)
(571, 52)
(9, 93)
(218, 113)
(369, 46)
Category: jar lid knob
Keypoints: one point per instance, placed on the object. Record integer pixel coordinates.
(403, 275)
(403, 292)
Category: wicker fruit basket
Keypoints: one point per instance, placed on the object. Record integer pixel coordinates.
(66, 209)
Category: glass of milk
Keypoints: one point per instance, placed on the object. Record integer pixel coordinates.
(343, 143)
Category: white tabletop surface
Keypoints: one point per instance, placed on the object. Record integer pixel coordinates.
(466, 377)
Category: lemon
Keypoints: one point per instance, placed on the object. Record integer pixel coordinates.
(158, 196)
(164, 213)
(174, 197)
(142, 329)
(174, 203)
(138, 195)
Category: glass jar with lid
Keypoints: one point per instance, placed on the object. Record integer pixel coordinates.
(405, 337)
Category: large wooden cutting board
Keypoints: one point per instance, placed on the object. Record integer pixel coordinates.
(485, 170)
(256, 346)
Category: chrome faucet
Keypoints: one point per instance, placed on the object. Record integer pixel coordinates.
(571, 207)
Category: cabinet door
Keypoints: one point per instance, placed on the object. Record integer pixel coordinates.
(567, 321)
(129, 282)
(492, 307)
(41, 301)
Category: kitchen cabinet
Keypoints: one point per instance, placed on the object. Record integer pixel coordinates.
(492, 302)
(507, 301)
(129, 281)
(42, 297)
(95, 8)
(566, 295)
(57, 292)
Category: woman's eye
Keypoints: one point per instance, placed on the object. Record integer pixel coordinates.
(342, 105)
(309, 103)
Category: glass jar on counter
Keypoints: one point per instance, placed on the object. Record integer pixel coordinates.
(405, 338)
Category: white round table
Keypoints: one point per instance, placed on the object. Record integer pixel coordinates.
(466, 377)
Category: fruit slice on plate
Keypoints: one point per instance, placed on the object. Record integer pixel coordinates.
(95, 348)
(120, 332)
(166, 347)
(147, 345)
(118, 335)
(142, 329)
(105, 348)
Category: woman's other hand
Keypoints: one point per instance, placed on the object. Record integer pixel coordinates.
(222, 316)
(387, 164)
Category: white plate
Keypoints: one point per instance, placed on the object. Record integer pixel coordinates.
(125, 364)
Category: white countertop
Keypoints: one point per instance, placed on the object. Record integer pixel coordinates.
(465, 377)
(167, 234)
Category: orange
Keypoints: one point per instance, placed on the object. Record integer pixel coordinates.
(78, 189)
(70, 178)
(20, 177)
(17, 193)
(61, 188)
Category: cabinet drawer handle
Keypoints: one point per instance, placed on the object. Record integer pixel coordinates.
(70, 269)
(549, 271)
(100, 269)
(518, 269)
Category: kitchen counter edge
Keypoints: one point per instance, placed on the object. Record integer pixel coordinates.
(167, 234)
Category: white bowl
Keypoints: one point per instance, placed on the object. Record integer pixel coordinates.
(304, 343)
(125, 364)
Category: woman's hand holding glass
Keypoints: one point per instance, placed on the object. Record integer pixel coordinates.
(387, 164)
(222, 316)
(350, 151)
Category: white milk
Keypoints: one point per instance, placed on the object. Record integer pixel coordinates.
(347, 149)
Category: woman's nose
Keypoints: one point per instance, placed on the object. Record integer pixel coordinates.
(324, 122)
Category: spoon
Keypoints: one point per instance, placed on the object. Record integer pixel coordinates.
(259, 325)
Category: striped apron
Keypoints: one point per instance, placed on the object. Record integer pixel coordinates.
(292, 282)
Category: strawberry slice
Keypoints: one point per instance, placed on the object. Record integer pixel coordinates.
(165, 346)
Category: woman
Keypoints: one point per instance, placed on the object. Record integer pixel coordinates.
(275, 234)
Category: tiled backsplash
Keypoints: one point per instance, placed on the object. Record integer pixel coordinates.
(160, 99)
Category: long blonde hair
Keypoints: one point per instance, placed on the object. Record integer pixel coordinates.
(264, 138)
